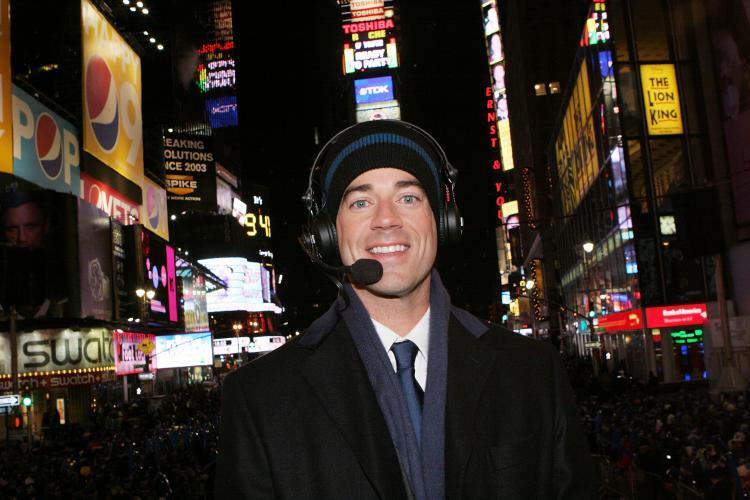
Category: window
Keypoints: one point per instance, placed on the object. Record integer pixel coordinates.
(540, 89)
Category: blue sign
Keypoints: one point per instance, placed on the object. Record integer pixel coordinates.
(45, 146)
(373, 90)
(222, 111)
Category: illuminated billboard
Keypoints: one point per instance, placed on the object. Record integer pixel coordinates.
(189, 172)
(112, 121)
(256, 344)
(38, 244)
(114, 203)
(95, 261)
(222, 111)
(369, 45)
(661, 99)
(160, 276)
(154, 209)
(257, 223)
(366, 10)
(6, 150)
(183, 349)
(128, 356)
(575, 145)
(387, 110)
(45, 146)
(194, 313)
(59, 349)
(369, 90)
(244, 291)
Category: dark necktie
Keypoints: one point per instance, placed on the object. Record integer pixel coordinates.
(406, 353)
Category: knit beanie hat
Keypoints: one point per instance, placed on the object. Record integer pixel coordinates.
(379, 144)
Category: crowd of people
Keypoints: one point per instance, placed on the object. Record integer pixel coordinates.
(145, 449)
(166, 448)
(666, 439)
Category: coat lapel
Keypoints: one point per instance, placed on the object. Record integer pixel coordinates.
(469, 365)
(338, 378)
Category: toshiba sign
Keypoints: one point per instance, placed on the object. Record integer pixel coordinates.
(681, 315)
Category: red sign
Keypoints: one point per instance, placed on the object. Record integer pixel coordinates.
(128, 356)
(105, 198)
(682, 315)
(627, 320)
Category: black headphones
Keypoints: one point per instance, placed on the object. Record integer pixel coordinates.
(318, 237)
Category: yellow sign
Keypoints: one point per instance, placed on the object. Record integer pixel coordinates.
(576, 146)
(6, 131)
(661, 99)
(112, 120)
(146, 346)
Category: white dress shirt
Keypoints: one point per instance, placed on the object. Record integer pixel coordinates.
(420, 335)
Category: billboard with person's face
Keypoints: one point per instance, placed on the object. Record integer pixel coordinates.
(38, 253)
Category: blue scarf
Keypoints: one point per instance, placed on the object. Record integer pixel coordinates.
(424, 468)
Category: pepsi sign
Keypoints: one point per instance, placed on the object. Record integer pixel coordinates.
(113, 126)
(154, 208)
(45, 146)
(373, 90)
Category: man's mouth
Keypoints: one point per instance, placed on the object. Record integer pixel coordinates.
(388, 249)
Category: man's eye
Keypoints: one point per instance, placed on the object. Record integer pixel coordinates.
(359, 204)
(409, 199)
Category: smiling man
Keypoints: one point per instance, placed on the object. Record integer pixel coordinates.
(394, 393)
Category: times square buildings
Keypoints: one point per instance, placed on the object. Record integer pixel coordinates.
(133, 260)
(636, 233)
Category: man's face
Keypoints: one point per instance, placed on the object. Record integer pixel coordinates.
(385, 215)
(24, 226)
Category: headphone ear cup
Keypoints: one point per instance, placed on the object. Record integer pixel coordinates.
(450, 225)
(323, 232)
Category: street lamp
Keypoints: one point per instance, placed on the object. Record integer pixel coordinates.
(588, 247)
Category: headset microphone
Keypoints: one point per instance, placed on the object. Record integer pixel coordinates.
(362, 271)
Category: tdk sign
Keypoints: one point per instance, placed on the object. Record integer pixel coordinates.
(45, 146)
(373, 90)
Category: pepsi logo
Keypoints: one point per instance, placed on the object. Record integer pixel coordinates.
(101, 102)
(153, 211)
(48, 146)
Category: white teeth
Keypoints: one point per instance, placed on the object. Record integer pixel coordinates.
(389, 249)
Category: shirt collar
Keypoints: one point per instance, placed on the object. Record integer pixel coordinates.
(420, 334)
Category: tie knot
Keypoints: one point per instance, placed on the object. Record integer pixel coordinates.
(406, 353)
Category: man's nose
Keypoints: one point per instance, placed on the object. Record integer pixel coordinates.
(23, 236)
(386, 216)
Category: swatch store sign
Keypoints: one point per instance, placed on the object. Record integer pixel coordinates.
(48, 350)
(189, 172)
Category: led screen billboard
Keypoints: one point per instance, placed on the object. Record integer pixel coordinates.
(95, 261)
(183, 349)
(244, 291)
(236, 345)
(38, 254)
(194, 313)
(369, 90)
(128, 356)
(386, 110)
(160, 276)
(222, 111)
